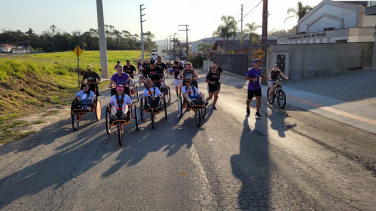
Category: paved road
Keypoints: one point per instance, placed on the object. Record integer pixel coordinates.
(287, 160)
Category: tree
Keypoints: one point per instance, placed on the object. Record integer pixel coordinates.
(298, 12)
(253, 36)
(204, 47)
(226, 30)
(242, 36)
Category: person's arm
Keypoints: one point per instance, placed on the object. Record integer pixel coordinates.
(99, 79)
(91, 95)
(283, 75)
(111, 82)
(270, 74)
(196, 75)
(79, 95)
(180, 74)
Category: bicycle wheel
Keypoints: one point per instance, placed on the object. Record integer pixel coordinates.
(271, 101)
(281, 96)
(98, 110)
(198, 117)
(138, 96)
(142, 109)
(120, 133)
(180, 108)
(152, 118)
(203, 112)
(169, 95)
(165, 106)
(108, 127)
(75, 121)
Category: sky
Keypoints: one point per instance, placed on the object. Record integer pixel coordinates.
(162, 16)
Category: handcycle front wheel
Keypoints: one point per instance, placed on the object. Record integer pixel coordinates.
(203, 112)
(180, 108)
(108, 127)
(75, 121)
(120, 133)
(152, 118)
(198, 117)
(281, 96)
(165, 106)
(142, 114)
(169, 95)
(136, 117)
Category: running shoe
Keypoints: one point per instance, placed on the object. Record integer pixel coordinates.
(214, 108)
(258, 115)
(248, 111)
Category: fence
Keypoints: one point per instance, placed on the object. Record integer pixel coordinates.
(235, 63)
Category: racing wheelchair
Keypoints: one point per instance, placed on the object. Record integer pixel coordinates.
(77, 110)
(152, 106)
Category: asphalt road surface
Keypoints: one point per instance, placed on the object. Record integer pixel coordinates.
(232, 162)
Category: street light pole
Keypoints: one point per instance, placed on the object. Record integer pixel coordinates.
(102, 40)
(142, 33)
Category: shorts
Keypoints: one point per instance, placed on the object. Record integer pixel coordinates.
(178, 82)
(252, 93)
(271, 82)
(213, 88)
(219, 86)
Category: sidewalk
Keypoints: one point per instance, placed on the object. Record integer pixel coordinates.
(348, 97)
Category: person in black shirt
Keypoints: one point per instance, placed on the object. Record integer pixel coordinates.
(129, 69)
(178, 83)
(213, 84)
(154, 72)
(93, 78)
(219, 70)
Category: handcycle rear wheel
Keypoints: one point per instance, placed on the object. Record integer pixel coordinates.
(169, 95)
(136, 117)
(108, 127)
(203, 112)
(180, 108)
(142, 114)
(165, 106)
(98, 110)
(75, 121)
(138, 96)
(281, 96)
(152, 118)
(120, 133)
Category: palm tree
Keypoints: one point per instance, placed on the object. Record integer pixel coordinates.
(242, 36)
(226, 30)
(298, 12)
(253, 36)
(204, 47)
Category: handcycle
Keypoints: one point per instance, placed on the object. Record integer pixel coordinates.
(166, 91)
(278, 93)
(154, 109)
(198, 108)
(120, 121)
(77, 112)
(134, 90)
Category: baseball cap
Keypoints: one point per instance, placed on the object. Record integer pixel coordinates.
(152, 61)
(256, 60)
(89, 66)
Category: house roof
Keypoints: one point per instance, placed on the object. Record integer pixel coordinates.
(235, 45)
(7, 45)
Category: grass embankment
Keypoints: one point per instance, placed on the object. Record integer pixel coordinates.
(36, 82)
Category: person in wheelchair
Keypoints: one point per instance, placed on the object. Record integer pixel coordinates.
(120, 78)
(155, 73)
(191, 92)
(84, 96)
(152, 96)
(93, 78)
(119, 104)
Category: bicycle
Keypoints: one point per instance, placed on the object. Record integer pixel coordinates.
(278, 93)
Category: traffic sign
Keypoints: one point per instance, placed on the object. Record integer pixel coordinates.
(77, 51)
(258, 53)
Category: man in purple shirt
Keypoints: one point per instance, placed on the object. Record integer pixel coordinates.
(254, 89)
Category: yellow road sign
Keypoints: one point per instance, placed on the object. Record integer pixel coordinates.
(258, 53)
(77, 51)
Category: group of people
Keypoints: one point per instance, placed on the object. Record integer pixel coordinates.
(185, 80)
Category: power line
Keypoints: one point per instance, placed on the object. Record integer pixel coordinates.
(188, 11)
(193, 10)
(250, 11)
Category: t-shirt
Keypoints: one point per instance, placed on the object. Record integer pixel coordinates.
(120, 80)
(91, 77)
(161, 65)
(129, 70)
(253, 73)
(214, 77)
(192, 92)
(188, 74)
(219, 69)
(83, 95)
(155, 92)
(153, 73)
(274, 75)
(177, 70)
(126, 100)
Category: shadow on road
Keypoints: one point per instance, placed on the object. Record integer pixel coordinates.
(277, 119)
(251, 167)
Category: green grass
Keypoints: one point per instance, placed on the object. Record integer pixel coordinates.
(31, 102)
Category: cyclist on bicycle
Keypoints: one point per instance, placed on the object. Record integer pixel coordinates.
(273, 77)
(119, 102)
(190, 92)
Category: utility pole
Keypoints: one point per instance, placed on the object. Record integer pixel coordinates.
(142, 33)
(264, 30)
(102, 40)
(241, 18)
(186, 32)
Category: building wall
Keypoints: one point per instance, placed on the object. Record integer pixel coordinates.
(312, 60)
(235, 63)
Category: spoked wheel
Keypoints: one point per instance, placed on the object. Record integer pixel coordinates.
(136, 117)
(198, 117)
(281, 96)
(203, 112)
(98, 110)
(120, 133)
(142, 110)
(138, 96)
(165, 106)
(108, 127)
(180, 108)
(75, 121)
(169, 95)
(267, 96)
(152, 119)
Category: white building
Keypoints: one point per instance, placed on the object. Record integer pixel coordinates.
(334, 22)
(7, 48)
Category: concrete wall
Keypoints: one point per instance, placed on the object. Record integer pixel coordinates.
(235, 63)
(319, 59)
